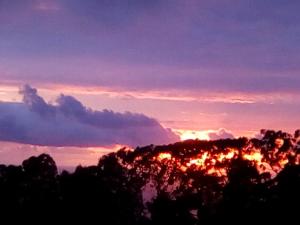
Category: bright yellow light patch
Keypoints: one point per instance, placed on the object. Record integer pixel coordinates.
(163, 156)
(193, 134)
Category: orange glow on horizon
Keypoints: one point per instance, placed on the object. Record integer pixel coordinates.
(254, 156)
(213, 162)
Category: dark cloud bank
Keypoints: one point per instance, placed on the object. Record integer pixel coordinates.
(69, 123)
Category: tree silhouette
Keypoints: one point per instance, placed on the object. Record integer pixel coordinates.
(190, 182)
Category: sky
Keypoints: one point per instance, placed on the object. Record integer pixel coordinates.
(98, 74)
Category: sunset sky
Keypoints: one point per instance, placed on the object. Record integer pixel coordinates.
(136, 72)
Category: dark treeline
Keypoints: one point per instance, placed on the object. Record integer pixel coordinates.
(136, 187)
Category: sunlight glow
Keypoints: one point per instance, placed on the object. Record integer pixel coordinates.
(215, 162)
(163, 156)
(193, 134)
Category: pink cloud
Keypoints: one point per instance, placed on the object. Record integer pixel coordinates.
(46, 5)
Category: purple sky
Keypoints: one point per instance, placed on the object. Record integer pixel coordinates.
(186, 65)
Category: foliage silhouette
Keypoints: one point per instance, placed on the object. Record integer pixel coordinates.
(190, 182)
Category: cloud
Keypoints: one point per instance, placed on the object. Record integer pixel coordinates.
(69, 123)
(148, 45)
(46, 5)
(220, 134)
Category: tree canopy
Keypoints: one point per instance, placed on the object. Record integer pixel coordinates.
(189, 182)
